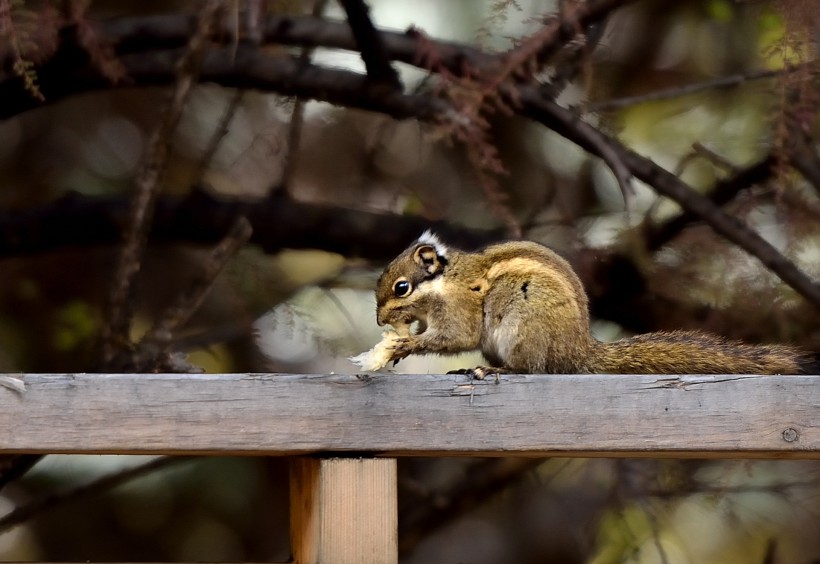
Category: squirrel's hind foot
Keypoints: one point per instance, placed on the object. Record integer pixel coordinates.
(481, 372)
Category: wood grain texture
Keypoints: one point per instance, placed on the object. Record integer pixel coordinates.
(344, 511)
(385, 414)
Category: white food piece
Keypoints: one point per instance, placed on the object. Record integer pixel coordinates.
(13, 383)
(380, 354)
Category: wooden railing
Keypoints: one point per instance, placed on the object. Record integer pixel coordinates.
(344, 431)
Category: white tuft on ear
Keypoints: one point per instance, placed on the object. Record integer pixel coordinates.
(430, 238)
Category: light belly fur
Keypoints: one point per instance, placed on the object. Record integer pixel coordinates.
(501, 338)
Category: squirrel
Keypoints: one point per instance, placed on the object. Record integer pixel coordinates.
(526, 310)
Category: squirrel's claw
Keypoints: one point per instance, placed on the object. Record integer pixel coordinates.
(481, 372)
(399, 349)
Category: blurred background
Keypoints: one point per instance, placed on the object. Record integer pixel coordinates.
(307, 309)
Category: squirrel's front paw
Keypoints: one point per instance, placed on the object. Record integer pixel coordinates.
(392, 347)
(400, 347)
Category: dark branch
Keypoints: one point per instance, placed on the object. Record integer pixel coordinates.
(202, 219)
(724, 192)
(69, 72)
(218, 135)
(246, 68)
(253, 69)
(370, 44)
(14, 466)
(138, 35)
(802, 155)
(568, 124)
(563, 28)
(106, 483)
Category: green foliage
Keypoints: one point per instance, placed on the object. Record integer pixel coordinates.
(720, 10)
(76, 323)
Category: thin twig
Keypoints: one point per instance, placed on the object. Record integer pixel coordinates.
(148, 183)
(570, 66)
(26, 512)
(696, 487)
(152, 352)
(656, 532)
(536, 50)
(701, 151)
(613, 160)
(686, 89)
(297, 116)
(219, 134)
(297, 119)
(188, 302)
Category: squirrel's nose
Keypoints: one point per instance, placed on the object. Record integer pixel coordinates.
(381, 319)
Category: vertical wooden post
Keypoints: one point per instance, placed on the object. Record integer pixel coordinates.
(343, 510)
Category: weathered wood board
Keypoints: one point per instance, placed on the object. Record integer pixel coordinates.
(427, 415)
(344, 510)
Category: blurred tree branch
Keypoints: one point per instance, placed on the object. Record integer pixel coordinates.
(722, 193)
(570, 125)
(370, 44)
(617, 288)
(688, 89)
(148, 185)
(203, 219)
(148, 50)
(101, 485)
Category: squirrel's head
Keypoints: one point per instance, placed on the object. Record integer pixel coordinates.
(402, 283)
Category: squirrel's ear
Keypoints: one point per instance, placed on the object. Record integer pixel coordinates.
(429, 238)
(427, 258)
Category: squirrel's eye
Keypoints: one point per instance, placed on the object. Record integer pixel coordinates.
(401, 288)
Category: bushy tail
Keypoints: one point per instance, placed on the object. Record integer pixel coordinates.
(810, 363)
(691, 352)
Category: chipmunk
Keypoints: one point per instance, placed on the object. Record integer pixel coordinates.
(526, 310)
